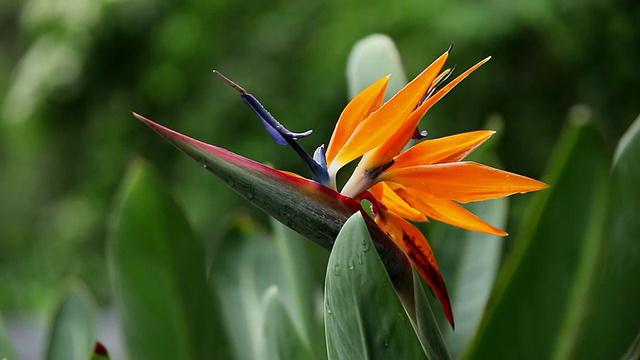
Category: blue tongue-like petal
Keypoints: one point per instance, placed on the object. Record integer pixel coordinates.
(317, 164)
(274, 128)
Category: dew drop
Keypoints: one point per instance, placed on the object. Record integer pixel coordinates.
(351, 265)
(365, 245)
(336, 270)
(203, 163)
(251, 193)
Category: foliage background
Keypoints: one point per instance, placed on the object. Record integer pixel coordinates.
(71, 70)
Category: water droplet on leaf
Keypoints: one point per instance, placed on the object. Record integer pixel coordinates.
(365, 245)
(336, 270)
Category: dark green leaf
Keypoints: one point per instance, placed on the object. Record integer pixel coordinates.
(364, 318)
(540, 292)
(72, 333)
(168, 311)
(614, 318)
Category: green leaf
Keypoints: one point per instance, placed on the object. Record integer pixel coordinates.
(281, 338)
(72, 333)
(168, 310)
(469, 261)
(614, 318)
(540, 292)
(6, 346)
(371, 59)
(304, 265)
(423, 320)
(364, 318)
(243, 268)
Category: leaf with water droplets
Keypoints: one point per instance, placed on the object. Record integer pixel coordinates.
(364, 318)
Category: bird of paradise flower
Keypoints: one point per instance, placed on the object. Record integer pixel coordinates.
(428, 180)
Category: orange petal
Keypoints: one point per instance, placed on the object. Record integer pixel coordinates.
(445, 210)
(359, 108)
(399, 139)
(382, 124)
(443, 150)
(394, 203)
(415, 245)
(462, 181)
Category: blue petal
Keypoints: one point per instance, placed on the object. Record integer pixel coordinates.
(274, 128)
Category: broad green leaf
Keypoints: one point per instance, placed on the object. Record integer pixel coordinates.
(372, 58)
(614, 318)
(71, 336)
(282, 340)
(244, 266)
(168, 310)
(364, 318)
(100, 352)
(540, 291)
(6, 346)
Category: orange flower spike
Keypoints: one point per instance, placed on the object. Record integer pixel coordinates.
(380, 125)
(462, 181)
(415, 245)
(395, 203)
(384, 153)
(358, 109)
(443, 150)
(444, 210)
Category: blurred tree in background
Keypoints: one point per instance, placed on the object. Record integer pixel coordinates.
(71, 70)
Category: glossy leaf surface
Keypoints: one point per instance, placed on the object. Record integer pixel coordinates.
(364, 318)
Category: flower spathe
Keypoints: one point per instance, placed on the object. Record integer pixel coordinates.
(427, 181)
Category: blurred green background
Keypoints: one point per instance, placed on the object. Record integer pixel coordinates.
(72, 70)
